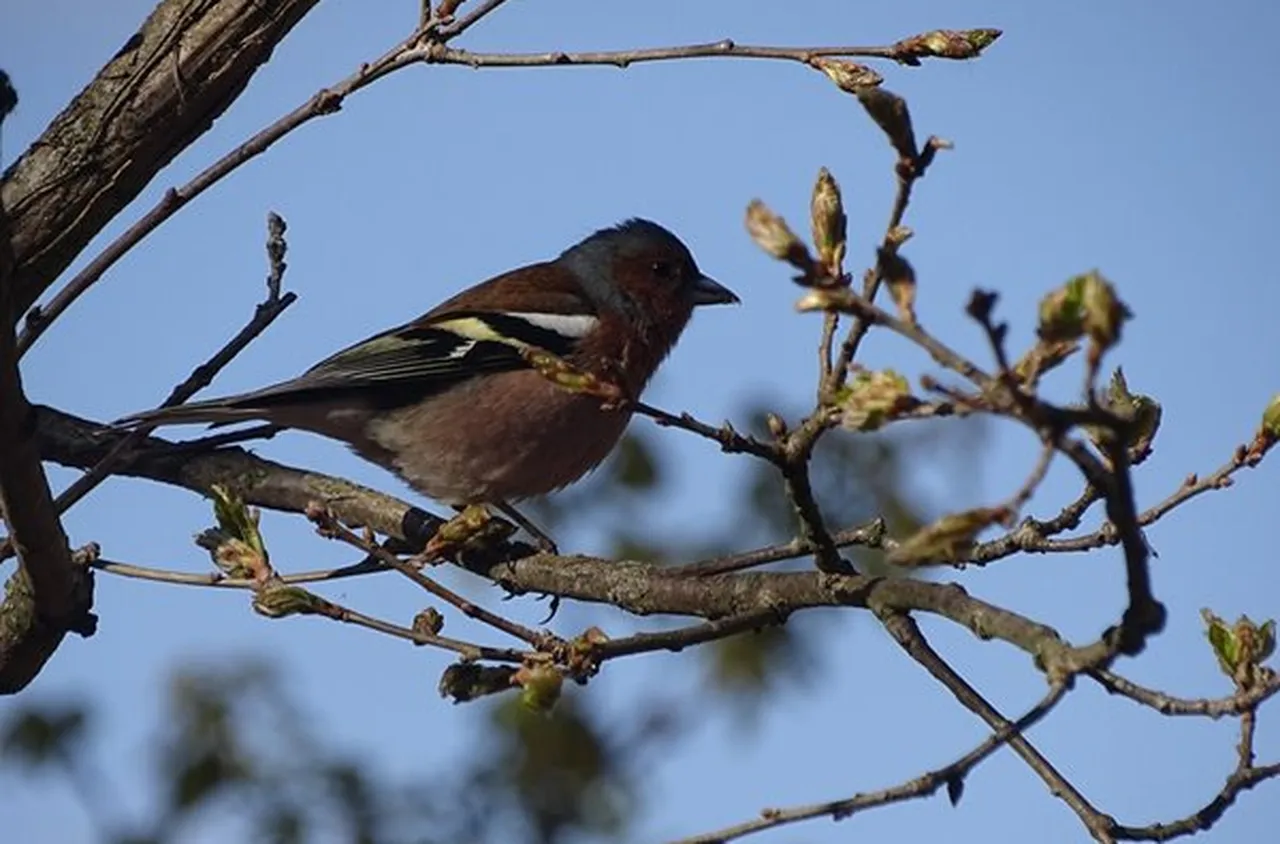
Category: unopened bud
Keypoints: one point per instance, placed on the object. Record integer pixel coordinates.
(540, 685)
(281, 601)
(945, 44)
(1271, 418)
(849, 77)
(1061, 317)
(770, 232)
(429, 621)
(1104, 313)
(874, 398)
(948, 540)
(890, 113)
(901, 278)
(828, 221)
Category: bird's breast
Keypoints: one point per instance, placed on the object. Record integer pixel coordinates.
(522, 436)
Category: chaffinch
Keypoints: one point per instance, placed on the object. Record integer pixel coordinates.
(450, 403)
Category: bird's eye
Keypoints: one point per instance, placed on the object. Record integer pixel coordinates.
(665, 270)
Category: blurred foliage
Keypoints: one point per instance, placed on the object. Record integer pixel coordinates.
(235, 750)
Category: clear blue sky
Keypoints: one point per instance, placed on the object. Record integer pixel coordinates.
(1133, 137)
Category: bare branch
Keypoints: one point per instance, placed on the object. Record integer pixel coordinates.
(729, 439)
(77, 443)
(908, 635)
(725, 48)
(263, 316)
(1237, 783)
(1165, 704)
(870, 535)
(331, 527)
(924, 785)
(220, 580)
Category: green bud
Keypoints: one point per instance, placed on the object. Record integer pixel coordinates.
(948, 539)
(540, 685)
(565, 376)
(1271, 418)
(1062, 313)
(873, 398)
(1241, 648)
(849, 77)
(1143, 413)
(237, 519)
(474, 527)
(279, 601)
(237, 559)
(945, 44)
(1104, 313)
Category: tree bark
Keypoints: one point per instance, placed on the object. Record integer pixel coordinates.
(189, 61)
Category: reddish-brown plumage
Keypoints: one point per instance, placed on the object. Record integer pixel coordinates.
(618, 302)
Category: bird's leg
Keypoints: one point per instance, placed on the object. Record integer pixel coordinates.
(545, 543)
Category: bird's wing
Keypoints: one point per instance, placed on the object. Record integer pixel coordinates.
(427, 356)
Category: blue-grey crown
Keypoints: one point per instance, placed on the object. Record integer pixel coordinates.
(592, 259)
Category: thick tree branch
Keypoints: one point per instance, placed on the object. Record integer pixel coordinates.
(638, 588)
(183, 68)
(77, 443)
(48, 594)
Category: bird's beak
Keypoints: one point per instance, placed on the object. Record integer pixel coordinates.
(708, 291)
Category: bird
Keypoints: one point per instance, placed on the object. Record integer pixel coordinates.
(451, 403)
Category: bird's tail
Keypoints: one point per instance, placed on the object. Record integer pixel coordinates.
(215, 412)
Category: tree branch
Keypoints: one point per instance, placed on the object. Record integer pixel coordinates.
(49, 594)
(186, 65)
(638, 588)
(924, 785)
(1166, 704)
(908, 635)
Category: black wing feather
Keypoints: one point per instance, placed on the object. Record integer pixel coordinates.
(409, 363)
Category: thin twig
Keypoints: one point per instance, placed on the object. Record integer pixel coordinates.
(870, 535)
(830, 322)
(683, 637)
(1033, 535)
(462, 24)
(1165, 704)
(333, 528)
(219, 580)
(202, 376)
(1204, 818)
(873, 279)
(813, 527)
(326, 101)
(909, 637)
(412, 50)
(1020, 498)
(729, 439)
(725, 48)
(264, 431)
(925, 785)
(467, 650)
